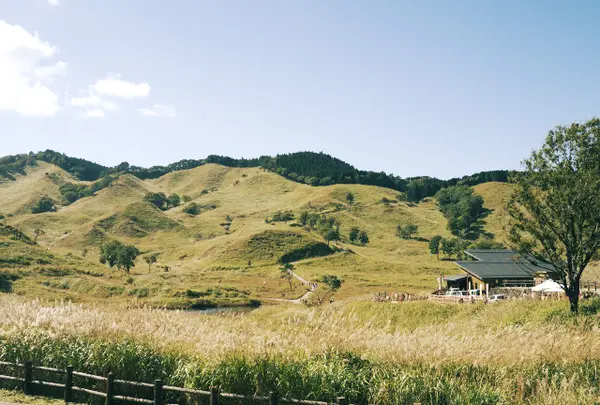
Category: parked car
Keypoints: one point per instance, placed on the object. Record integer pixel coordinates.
(497, 297)
(457, 293)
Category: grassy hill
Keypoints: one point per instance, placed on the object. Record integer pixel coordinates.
(230, 251)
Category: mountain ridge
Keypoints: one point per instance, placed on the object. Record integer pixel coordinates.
(315, 169)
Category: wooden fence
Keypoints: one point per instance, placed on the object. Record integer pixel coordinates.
(589, 285)
(457, 299)
(158, 389)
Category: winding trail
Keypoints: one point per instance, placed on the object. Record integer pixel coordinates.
(301, 279)
(297, 300)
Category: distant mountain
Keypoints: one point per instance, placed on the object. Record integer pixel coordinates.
(315, 169)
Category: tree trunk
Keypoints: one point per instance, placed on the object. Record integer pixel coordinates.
(574, 303)
(573, 294)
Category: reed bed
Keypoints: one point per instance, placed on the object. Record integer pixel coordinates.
(518, 352)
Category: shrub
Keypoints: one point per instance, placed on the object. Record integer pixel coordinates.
(406, 231)
(44, 204)
(192, 209)
(363, 237)
(282, 216)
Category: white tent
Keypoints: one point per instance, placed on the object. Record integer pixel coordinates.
(549, 286)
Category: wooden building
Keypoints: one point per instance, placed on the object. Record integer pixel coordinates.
(498, 268)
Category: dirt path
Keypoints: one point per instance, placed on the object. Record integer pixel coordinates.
(300, 278)
(297, 300)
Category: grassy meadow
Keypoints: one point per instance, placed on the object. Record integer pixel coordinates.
(60, 306)
(227, 254)
(380, 353)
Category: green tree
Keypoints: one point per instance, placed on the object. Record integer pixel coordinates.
(174, 200)
(363, 237)
(332, 235)
(349, 197)
(555, 207)
(159, 200)
(37, 232)
(192, 209)
(448, 247)
(115, 253)
(434, 246)
(303, 218)
(406, 231)
(44, 204)
(286, 272)
(463, 210)
(332, 282)
(70, 196)
(109, 252)
(313, 219)
(126, 257)
(151, 259)
(325, 181)
(354, 233)
(487, 244)
(283, 216)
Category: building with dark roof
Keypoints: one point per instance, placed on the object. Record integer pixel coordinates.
(498, 268)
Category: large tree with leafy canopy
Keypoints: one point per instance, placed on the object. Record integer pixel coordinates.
(114, 253)
(555, 207)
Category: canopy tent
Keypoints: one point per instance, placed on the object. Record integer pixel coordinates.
(549, 286)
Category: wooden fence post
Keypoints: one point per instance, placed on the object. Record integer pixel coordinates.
(69, 385)
(273, 398)
(27, 377)
(214, 396)
(110, 381)
(158, 392)
(341, 401)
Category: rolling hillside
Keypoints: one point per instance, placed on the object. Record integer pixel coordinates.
(230, 251)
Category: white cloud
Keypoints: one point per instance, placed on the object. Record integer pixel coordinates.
(115, 87)
(96, 113)
(93, 100)
(54, 3)
(158, 110)
(49, 73)
(20, 72)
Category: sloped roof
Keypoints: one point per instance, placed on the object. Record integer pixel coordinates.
(487, 271)
(455, 277)
(502, 264)
(493, 255)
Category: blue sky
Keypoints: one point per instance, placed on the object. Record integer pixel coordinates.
(440, 88)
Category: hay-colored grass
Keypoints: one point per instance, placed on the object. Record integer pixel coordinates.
(509, 353)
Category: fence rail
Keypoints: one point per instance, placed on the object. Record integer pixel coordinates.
(455, 298)
(158, 389)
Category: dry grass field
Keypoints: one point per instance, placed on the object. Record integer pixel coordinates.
(527, 352)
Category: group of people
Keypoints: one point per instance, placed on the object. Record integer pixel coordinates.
(399, 297)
